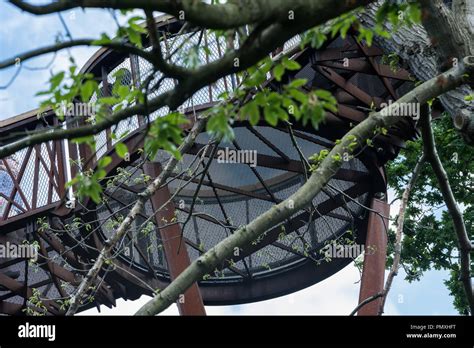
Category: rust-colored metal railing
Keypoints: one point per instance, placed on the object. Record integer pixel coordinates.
(33, 179)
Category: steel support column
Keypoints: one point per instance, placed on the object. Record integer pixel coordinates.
(373, 272)
(190, 303)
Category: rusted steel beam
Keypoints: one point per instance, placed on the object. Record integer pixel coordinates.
(10, 308)
(349, 87)
(34, 198)
(325, 143)
(16, 183)
(18, 288)
(51, 185)
(55, 169)
(12, 203)
(251, 194)
(68, 255)
(74, 158)
(50, 267)
(350, 113)
(376, 68)
(373, 273)
(33, 286)
(61, 159)
(343, 97)
(190, 303)
(106, 93)
(18, 221)
(341, 53)
(361, 66)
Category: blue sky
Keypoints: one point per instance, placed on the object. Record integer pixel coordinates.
(20, 32)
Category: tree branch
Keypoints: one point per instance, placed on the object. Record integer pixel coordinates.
(303, 197)
(445, 32)
(216, 16)
(465, 245)
(464, 13)
(84, 131)
(413, 46)
(125, 225)
(398, 241)
(168, 69)
(451, 33)
(262, 41)
(120, 47)
(365, 302)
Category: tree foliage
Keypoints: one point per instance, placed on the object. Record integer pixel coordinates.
(430, 241)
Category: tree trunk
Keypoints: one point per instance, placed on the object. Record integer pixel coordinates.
(421, 58)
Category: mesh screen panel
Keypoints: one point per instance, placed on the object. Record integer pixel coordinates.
(216, 218)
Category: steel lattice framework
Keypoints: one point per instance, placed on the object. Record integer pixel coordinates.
(287, 258)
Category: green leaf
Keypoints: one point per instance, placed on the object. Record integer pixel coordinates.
(95, 195)
(104, 161)
(369, 37)
(121, 149)
(137, 28)
(271, 116)
(330, 106)
(317, 117)
(251, 112)
(282, 114)
(56, 79)
(218, 126)
(87, 89)
(278, 71)
(290, 64)
(123, 91)
(297, 83)
(100, 174)
(165, 132)
(42, 93)
(84, 140)
(104, 39)
(135, 37)
(255, 79)
(318, 39)
(299, 96)
(323, 94)
(414, 12)
(469, 97)
(109, 100)
(266, 65)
